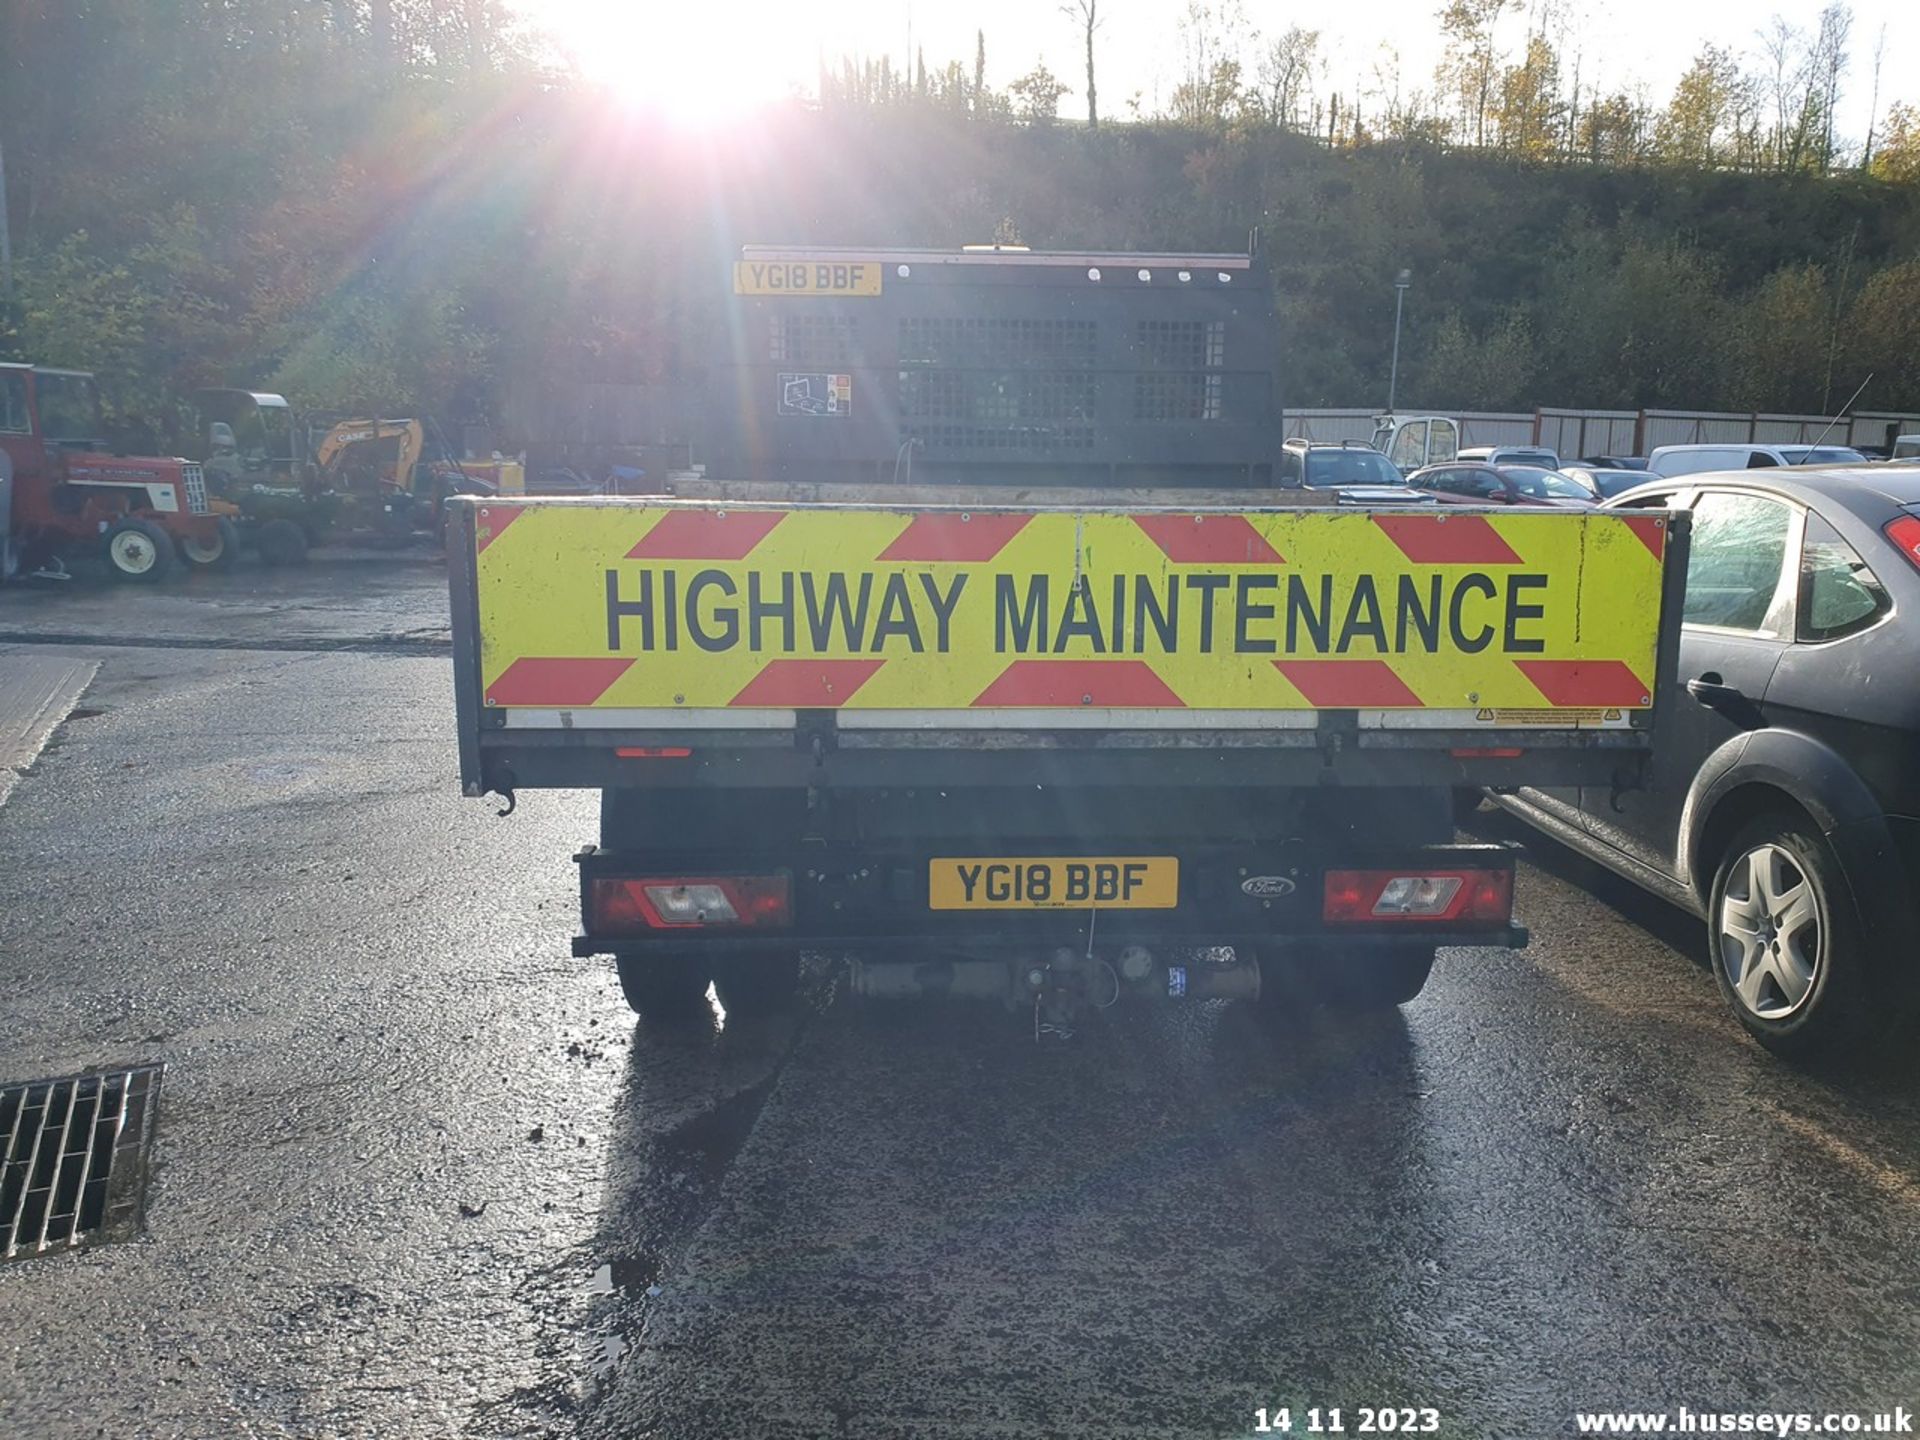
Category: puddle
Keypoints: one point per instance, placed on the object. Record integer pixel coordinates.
(607, 1353)
(637, 1274)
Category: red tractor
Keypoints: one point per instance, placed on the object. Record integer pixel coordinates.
(70, 493)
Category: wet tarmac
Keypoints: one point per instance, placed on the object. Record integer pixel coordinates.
(420, 1173)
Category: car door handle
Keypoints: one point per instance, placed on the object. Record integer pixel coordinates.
(1710, 689)
(1727, 701)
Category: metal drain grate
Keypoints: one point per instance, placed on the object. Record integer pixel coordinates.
(75, 1169)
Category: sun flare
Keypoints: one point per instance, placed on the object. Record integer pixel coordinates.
(697, 64)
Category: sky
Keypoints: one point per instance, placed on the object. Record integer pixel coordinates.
(719, 57)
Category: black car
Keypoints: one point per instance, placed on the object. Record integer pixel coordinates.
(1465, 482)
(1784, 807)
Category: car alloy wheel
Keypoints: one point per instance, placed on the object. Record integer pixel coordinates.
(1770, 932)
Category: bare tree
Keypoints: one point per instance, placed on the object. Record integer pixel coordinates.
(1086, 14)
(1471, 67)
(1873, 105)
(1789, 86)
(1286, 75)
(1212, 33)
(1829, 61)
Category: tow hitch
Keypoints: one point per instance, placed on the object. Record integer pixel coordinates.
(1061, 985)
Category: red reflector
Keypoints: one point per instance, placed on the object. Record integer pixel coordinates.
(1500, 752)
(1905, 533)
(675, 902)
(1353, 897)
(653, 752)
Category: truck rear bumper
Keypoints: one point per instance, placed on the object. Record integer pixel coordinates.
(1111, 935)
(877, 901)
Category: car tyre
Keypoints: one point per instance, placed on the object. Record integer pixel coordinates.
(751, 985)
(663, 987)
(138, 550)
(1786, 943)
(216, 554)
(282, 542)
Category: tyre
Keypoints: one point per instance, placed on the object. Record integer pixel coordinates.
(215, 553)
(1360, 979)
(663, 987)
(282, 542)
(1785, 943)
(750, 985)
(138, 550)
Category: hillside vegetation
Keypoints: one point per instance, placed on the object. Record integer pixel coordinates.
(280, 208)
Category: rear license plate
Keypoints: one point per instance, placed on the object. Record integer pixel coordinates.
(797, 277)
(1073, 882)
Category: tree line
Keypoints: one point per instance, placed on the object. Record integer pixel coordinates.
(1772, 108)
(406, 204)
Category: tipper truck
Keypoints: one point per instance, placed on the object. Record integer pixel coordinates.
(986, 653)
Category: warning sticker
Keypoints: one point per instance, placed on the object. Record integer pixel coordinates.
(815, 394)
(634, 604)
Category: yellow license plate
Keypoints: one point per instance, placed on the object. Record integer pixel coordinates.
(1072, 882)
(806, 277)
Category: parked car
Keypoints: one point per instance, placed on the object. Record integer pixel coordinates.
(1613, 462)
(1361, 474)
(1672, 460)
(1905, 447)
(1470, 484)
(1785, 803)
(1604, 483)
(1540, 455)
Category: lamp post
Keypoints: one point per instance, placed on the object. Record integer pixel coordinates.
(1400, 283)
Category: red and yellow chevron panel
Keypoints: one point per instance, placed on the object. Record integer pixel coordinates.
(638, 605)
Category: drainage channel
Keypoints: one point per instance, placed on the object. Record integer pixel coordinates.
(78, 1149)
(438, 644)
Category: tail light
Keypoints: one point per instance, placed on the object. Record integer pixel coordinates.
(1905, 534)
(1493, 752)
(716, 902)
(1389, 896)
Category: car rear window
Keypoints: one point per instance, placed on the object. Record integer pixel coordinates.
(1829, 455)
(1542, 484)
(1839, 593)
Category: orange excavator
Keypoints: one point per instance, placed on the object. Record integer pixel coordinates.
(380, 471)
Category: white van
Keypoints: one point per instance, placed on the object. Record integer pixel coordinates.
(1671, 460)
(1413, 442)
(1907, 447)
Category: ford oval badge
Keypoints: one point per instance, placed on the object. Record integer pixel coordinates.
(1267, 887)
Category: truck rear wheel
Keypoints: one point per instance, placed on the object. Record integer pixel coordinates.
(757, 984)
(1359, 980)
(662, 987)
(138, 550)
